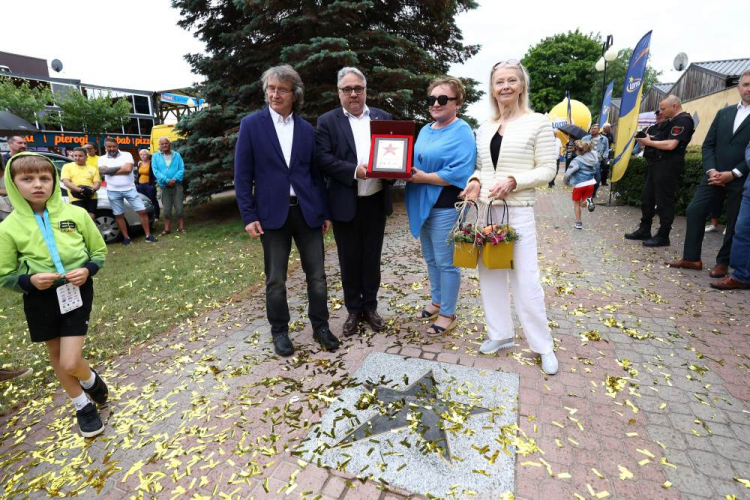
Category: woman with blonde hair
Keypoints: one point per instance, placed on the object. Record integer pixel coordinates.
(145, 182)
(444, 157)
(515, 154)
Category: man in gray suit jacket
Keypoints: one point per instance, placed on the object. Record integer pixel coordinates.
(358, 205)
(726, 171)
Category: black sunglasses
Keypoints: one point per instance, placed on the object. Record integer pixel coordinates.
(441, 99)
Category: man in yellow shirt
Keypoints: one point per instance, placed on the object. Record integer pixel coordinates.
(91, 157)
(82, 182)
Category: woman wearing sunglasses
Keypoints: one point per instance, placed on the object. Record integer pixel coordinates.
(444, 157)
(515, 154)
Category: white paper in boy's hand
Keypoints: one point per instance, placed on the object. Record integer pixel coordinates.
(69, 298)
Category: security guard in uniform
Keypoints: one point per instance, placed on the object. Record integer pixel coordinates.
(664, 150)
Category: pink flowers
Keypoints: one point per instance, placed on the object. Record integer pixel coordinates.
(495, 234)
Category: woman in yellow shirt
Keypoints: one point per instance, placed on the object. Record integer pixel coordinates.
(145, 182)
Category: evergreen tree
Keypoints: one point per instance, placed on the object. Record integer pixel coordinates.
(399, 45)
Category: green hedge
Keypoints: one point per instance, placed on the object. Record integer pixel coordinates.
(631, 184)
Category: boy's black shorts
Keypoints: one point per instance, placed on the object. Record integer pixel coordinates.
(88, 205)
(44, 318)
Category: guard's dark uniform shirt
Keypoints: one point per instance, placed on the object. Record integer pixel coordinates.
(657, 132)
(681, 127)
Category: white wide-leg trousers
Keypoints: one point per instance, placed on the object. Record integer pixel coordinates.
(528, 295)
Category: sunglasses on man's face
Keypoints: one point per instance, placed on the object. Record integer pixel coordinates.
(441, 99)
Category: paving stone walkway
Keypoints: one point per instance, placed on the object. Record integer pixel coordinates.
(651, 400)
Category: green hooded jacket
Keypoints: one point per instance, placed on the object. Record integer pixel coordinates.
(23, 251)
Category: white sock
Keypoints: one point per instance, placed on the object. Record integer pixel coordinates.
(80, 401)
(89, 383)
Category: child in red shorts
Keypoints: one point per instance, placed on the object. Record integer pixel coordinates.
(581, 175)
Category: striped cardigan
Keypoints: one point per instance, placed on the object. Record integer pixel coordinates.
(527, 154)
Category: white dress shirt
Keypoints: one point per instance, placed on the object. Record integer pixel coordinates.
(285, 132)
(361, 131)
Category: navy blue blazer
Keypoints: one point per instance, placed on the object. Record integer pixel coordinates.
(262, 178)
(337, 160)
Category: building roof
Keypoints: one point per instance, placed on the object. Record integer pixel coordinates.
(726, 68)
(664, 87)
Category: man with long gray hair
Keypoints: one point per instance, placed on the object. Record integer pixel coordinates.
(281, 196)
(359, 205)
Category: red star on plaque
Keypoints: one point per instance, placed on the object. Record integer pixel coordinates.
(389, 149)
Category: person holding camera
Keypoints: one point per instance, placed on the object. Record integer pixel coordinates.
(664, 149)
(82, 182)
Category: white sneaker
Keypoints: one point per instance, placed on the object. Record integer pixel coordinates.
(711, 228)
(492, 346)
(549, 363)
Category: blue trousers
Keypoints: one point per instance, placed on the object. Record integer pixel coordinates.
(739, 259)
(437, 249)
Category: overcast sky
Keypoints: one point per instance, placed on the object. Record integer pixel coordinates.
(137, 43)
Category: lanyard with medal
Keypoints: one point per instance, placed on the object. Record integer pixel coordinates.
(68, 295)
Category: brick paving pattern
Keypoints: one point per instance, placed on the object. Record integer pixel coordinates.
(651, 400)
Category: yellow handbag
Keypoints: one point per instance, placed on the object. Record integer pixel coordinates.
(465, 249)
(497, 251)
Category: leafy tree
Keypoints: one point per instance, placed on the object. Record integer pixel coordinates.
(22, 100)
(96, 116)
(616, 70)
(562, 62)
(399, 46)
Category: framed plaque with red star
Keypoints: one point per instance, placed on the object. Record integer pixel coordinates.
(391, 149)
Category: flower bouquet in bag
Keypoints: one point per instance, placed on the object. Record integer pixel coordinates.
(497, 240)
(464, 234)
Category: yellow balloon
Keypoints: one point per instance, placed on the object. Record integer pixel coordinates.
(579, 113)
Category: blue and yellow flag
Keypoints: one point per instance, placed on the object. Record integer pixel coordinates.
(627, 125)
(606, 102)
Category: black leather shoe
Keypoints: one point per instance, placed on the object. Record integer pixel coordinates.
(326, 339)
(351, 325)
(656, 241)
(282, 345)
(375, 320)
(639, 234)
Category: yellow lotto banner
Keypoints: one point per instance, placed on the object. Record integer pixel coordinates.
(630, 104)
(627, 126)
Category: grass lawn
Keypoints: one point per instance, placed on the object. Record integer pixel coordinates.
(142, 292)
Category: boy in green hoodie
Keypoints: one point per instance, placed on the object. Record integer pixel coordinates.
(49, 251)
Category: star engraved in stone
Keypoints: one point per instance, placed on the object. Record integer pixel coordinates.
(420, 407)
(390, 149)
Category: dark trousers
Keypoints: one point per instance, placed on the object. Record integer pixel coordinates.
(277, 245)
(605, 172)
(150, 191)
(360, 244)
(706, 197)
(660, 194)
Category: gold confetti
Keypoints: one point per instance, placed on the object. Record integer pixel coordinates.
(666, 485)
(625, 473)
(601, 476)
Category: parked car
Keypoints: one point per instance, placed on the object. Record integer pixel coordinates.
(105, 219)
